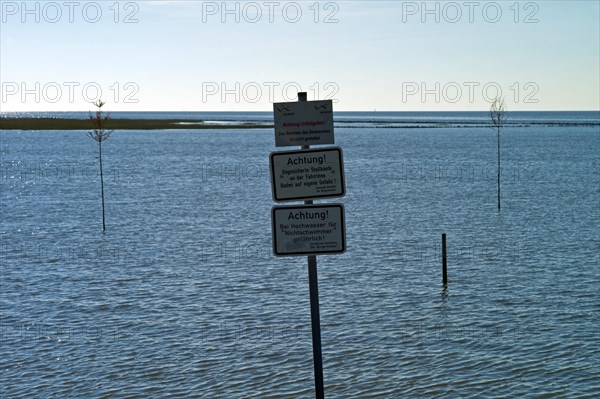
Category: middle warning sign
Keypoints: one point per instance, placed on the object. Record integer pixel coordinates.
(306, 174)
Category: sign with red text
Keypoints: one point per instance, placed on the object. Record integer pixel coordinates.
(307, 174)
(303, 123)
(308, 230)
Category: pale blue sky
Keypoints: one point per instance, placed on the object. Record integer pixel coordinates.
(181, 55)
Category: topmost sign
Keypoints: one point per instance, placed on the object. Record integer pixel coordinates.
(303, 123)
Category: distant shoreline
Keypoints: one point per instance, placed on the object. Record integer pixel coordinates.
(118, 124)
(144, 123)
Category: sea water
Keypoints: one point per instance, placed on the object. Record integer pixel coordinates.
(182, 297)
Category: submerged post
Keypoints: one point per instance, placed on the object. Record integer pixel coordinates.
(315, 320)
(315, 317)
(444, 269)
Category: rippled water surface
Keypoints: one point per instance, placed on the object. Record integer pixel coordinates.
(181, 297)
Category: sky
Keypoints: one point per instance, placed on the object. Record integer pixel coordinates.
(245, 55)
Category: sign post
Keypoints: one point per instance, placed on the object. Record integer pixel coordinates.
(303, 175)
(313, 288)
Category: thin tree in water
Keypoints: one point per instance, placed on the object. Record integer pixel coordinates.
(100, 134)
(498, 117)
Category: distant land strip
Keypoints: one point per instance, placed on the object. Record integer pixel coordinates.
(118, 124)
(10, 123)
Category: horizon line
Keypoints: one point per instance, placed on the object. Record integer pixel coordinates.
(366, 111)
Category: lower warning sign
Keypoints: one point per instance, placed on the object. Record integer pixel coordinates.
(308, 230)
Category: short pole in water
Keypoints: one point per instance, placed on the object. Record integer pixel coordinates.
(444, 263)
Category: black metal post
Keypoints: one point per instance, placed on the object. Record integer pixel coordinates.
(315, 317)
(444, 269)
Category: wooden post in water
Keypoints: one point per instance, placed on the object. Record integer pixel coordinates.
(315, 317)
(444, 269)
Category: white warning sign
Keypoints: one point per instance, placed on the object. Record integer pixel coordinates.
(308, 230)
(307, 174)
(303, 123)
